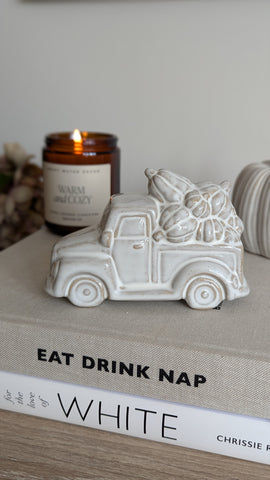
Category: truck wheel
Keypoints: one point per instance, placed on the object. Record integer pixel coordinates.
(205, 292)
(87, 291)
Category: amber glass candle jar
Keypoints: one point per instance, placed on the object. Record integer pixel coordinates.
(81, 170)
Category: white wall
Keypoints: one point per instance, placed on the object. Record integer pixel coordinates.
(185, 84)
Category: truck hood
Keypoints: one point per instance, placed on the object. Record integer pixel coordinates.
(78, 244)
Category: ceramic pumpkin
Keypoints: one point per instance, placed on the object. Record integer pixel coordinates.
(251, 198)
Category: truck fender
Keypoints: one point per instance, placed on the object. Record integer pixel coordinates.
(204, 268)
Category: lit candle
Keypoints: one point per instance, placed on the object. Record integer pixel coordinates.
(81, 171)
(77, 139)
(76, 136)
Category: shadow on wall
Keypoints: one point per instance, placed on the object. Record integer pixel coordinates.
(124, 1)
(121, 1)
(107, 1)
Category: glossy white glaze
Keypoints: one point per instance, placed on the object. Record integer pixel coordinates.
(180, 241)
(251, 197)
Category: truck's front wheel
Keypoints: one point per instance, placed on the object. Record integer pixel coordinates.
(87, 291)
(205, 292)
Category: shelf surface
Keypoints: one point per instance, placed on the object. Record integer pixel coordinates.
(32, 448)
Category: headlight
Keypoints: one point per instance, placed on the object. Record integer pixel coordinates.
(235, 281)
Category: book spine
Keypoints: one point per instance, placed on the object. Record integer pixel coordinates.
(191, 376)
(233, 435)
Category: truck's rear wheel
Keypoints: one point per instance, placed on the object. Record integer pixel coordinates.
(87, 291)
(205, 292)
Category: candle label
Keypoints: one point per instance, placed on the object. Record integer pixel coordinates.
(76, 195)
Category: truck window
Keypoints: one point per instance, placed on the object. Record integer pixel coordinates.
(132, 227)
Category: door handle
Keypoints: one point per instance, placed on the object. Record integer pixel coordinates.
(138, 245)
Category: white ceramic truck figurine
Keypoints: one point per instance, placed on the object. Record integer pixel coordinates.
(181, 241)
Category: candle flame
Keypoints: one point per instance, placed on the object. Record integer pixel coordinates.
(76, 136)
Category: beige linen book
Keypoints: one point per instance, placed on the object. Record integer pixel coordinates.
(217, 359)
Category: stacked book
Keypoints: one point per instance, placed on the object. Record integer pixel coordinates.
(155, 370)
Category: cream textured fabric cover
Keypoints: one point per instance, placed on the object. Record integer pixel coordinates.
(229, 347)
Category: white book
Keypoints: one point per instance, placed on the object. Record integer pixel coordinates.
(234, 435)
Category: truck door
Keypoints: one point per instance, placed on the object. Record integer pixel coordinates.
(131, 250)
